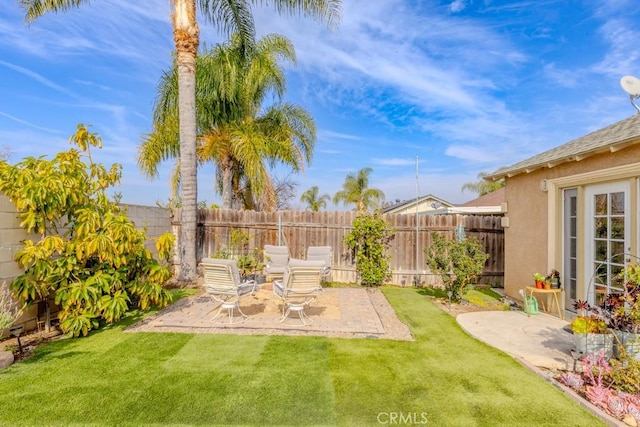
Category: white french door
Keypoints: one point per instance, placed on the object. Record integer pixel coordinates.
(570, 247)
(607, 236)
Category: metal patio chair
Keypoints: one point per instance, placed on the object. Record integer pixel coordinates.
(276, 259)
(299, 288)
(222, 282)
(321, 253)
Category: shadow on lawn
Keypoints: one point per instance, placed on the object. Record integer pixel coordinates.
(54, 346)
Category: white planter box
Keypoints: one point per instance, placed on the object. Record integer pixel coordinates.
(630, 341)
(592, 343)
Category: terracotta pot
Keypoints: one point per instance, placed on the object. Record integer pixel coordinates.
(547, 285)
(538, 285)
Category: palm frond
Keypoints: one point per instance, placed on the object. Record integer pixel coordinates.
(36, 8)
(329, 10)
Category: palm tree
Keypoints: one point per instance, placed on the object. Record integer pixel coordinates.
(314, 203)
(356, 190)
(483, 186)
(230, 16)
(233, 131)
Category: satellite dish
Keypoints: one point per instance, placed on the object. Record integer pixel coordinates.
(631, 85)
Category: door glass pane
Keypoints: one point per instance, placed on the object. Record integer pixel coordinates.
(573, 224)
(617, 228)
(617, 203)
(617, 252)
(600, 231)
(600, 203)
(617, 281)
(573, 248)
(601, 250)
(600, 273)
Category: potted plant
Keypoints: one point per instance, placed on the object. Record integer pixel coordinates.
(621, 311)
(590, 331)
(554, 279)
(251, 267)
(539, 279)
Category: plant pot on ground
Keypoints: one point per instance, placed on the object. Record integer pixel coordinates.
(627, 343)
(590, 332)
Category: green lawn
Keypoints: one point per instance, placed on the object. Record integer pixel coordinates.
(443, 378)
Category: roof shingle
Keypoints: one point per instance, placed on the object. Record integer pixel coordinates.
(626, 131)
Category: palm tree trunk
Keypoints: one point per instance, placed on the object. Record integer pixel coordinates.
(227, 182)
(187, 38)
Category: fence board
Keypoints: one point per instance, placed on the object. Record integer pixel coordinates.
(300, 229)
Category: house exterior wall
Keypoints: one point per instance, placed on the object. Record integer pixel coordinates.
(423, 206)
(533, 238)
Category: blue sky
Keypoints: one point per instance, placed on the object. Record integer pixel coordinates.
(464, 85)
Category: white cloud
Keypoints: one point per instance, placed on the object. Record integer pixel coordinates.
(337, 135)
(471, 153)
(457, 6)
(37, 77)
(29, 124)
(394, 161)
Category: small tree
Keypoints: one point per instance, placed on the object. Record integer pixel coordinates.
(368, 242)
(97, 267)
(458, 263)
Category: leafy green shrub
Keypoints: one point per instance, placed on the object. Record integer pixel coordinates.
(625, 375)
(97, 266)
(588, 325)
(368, 241)
(458, 263)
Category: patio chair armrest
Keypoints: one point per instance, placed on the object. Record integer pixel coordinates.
(278, 289)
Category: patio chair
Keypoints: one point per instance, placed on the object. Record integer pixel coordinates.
(276, 259)
(222, 282)
(321, 253)
(299, 288)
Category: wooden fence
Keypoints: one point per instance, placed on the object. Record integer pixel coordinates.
(300, 229)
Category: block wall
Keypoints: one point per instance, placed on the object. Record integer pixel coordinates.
(155, 220)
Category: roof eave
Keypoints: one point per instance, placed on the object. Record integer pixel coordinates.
(612, 148)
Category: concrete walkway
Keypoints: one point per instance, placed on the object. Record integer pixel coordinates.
(540, 340)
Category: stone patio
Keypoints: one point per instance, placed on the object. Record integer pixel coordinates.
(338, 312)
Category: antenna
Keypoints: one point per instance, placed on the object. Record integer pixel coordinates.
(631, 85)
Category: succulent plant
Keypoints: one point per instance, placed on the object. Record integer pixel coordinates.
(573, 380)
(616, 406)
(597, 394)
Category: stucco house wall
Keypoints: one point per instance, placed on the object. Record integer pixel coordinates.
(534, 222)
(530, 244)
